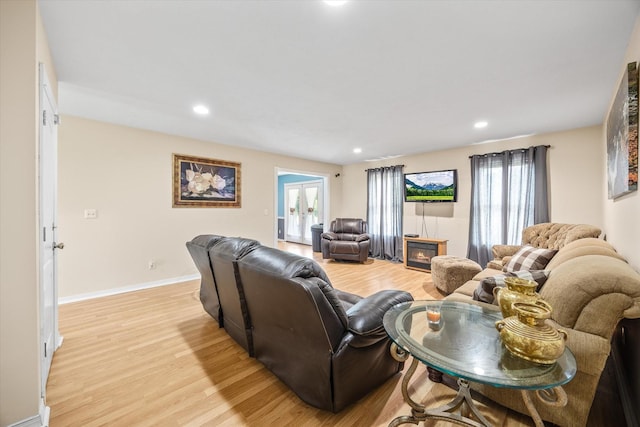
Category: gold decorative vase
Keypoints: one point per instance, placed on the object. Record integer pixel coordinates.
(517, 290)
(527, 335)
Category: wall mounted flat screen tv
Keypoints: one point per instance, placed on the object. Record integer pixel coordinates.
(434, 186)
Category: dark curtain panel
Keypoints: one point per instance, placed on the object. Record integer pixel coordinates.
(508, 193)
(385, 202)
(541, 207)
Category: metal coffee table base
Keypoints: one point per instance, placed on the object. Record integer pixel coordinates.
(455, 411)
(462, 405)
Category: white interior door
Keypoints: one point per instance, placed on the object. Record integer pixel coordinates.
(303, 208)
(50, 339)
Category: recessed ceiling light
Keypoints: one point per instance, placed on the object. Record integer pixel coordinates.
(335, 3)
(357, 150)
(480, 125)
(201, 109)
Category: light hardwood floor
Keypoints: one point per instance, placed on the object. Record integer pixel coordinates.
(155, 358)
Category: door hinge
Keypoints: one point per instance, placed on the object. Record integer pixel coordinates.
(44, 118)
(45, 350)
(44, 234)
(56, 119)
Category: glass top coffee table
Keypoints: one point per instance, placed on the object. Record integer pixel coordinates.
(462, 341)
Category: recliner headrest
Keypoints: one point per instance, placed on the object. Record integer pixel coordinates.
(285, 264)
(205, 241)
(349, 225)
(234, 247)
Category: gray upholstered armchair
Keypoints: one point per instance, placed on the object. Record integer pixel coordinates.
(347, 239)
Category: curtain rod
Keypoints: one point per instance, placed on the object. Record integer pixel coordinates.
(517, 149)
(382, 167)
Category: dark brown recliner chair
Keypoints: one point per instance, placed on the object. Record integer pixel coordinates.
(199, 250)
(347, 239)
(329, 347)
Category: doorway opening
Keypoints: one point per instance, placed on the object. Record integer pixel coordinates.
(302, 200)
(303, 208)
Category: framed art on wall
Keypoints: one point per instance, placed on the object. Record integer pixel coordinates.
(199, 182)
(622, 136)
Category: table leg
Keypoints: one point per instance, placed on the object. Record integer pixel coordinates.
(447, 412)
(555, 396)
(417, 409)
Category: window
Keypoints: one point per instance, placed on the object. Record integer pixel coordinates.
(385, 202)
(508, 193)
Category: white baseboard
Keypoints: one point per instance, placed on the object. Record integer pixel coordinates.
(116, 291)
(41, 420)
(29, 422)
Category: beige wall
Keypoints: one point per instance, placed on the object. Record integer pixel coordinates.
(622, 216)
(130, 186)
(125, 174)
(22, 45)
(574, 162)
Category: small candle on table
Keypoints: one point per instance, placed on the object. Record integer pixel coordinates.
(433, 315)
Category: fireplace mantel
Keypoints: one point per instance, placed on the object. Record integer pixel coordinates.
(418, 252)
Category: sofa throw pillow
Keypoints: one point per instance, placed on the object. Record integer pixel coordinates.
(529, 258)
(484, 290)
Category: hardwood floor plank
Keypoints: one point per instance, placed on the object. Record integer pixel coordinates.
(155, 358)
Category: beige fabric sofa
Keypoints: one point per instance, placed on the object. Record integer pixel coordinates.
(591, 288)
(548, 235)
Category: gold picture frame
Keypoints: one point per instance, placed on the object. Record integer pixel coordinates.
(199, 182)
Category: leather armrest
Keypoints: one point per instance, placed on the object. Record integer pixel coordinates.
(362, 238)
(347, 296)
(329, 235)
(365, 317)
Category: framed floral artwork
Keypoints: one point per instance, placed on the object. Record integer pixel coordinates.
(202, 183)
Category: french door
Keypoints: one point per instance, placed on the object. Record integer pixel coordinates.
(303, 208)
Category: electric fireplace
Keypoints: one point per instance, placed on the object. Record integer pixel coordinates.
(418, 252)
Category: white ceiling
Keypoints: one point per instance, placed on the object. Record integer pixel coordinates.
(312, 81)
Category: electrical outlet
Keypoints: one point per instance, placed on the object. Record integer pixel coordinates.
(152, 265)
(90, 214)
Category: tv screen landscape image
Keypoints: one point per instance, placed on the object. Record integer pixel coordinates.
(435, 186)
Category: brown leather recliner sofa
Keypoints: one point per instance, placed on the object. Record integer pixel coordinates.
(327, 345)
(347, 239)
